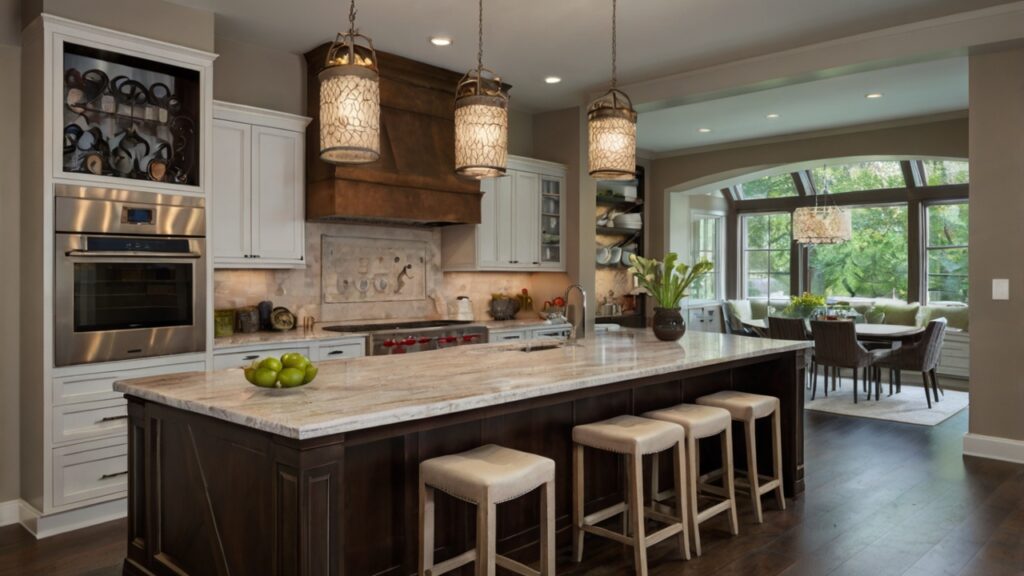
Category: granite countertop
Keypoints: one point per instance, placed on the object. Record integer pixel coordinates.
(297, 335)
(367, 392)
(517, 324)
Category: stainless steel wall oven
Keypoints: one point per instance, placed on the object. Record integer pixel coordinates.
(130, 278)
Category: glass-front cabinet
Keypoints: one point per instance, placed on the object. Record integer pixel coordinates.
(551, 217)
(128, 112)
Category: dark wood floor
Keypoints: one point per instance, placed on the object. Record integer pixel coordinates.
(882, 499)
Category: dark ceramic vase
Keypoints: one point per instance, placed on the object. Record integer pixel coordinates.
(668, 324)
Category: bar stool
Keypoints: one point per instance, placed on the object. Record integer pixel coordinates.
(748, 408)
(701, 422)
(632, 437)
(487, 476)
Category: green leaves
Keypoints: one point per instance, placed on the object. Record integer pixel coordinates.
(667, 282)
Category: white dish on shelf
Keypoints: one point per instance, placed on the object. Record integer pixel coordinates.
(604, 255)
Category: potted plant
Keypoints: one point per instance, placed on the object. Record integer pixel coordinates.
(804, 305)
(667, 282)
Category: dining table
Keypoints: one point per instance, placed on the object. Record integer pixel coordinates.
(865, 331)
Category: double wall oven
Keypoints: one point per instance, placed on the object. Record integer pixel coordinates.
(130, 278)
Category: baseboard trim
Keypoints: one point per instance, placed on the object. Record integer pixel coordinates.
(10, 512)
(994, 448)
(50, 525)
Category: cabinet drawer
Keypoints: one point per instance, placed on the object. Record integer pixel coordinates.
(342, 351)
(504, 336)
(88, 471)
(88, 420)
(557, 333)
(90, 387)
(225, 360)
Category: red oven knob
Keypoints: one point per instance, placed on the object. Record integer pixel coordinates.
(409, 342)
(388, 343)
(448, 339)
(468, 338)
(424, 340)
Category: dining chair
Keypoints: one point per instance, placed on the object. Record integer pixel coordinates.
(733, 324)
(836, 347)
(921, 356)
(792, 329)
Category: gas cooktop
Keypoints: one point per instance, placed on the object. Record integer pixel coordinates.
(397, 326)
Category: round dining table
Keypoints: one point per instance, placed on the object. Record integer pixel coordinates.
(873, 332)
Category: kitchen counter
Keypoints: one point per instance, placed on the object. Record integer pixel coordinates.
(363, 393)
(521, 324)
(297, 335)
(254, 480)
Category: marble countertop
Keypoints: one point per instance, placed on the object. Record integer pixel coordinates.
(361, 393)
(516, 324)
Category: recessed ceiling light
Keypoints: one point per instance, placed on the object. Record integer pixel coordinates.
(703, 130)
(552, 79)
(441, 40)
(772, 116)
(873, 95)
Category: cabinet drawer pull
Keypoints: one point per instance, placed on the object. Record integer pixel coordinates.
(536, 263)
(335, 352)
(112, 418)
(114, 475)
(251, 357)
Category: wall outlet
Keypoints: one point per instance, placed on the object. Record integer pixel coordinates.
(1000, 289)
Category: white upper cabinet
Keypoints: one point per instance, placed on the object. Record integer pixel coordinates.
(521, 217)
(258, 192)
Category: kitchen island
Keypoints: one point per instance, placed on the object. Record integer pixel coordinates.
(229, 478)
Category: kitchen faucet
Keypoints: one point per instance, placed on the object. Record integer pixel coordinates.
(582, 319)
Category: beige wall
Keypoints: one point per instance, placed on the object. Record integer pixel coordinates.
(256, 76)
(520, 133)
(149, 18)
(936, 138)
(997, 242)
(10, 111)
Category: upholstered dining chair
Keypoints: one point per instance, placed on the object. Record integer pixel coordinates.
(732, 321)
(921, 356)
(836, 346)
(792, 329)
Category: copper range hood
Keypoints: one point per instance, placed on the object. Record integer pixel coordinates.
(414, 181)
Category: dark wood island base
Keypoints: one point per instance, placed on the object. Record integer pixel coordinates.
(213, 497)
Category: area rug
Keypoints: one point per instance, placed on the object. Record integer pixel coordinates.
(909, 406)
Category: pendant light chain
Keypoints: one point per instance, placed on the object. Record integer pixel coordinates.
(480, 37)
(615, 79)
(352, 17)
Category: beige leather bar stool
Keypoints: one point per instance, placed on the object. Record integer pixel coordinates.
(487, 476)
(701, 422)
(632, 437)
(748, 408)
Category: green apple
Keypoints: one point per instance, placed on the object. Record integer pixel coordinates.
(265, 377)
(291, 377)
(271, 364)
(311, 371)
(250, 374)
(294, 360)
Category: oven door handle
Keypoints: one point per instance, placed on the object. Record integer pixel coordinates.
(116, 254)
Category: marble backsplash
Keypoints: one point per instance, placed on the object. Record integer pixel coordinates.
(301, 291)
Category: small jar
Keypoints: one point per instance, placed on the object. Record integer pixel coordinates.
(223, 323)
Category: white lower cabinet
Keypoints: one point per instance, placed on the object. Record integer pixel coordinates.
(557, 331)
(90, 471)
(507, 335)
(317, 351)
(560, 332)
(87, 444)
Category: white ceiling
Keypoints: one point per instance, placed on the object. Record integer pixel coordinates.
(527, 40)
(911, 90)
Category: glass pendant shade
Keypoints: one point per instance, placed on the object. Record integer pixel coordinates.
(822, 225)
(481, 126)
(611, 128)
(350, 102)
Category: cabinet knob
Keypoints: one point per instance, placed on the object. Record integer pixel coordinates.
(536, 263)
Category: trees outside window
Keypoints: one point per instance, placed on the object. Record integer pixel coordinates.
(874, 175)
(778, 186)
(947, 252)
(766, 254)
(873, 264)
(942, 172)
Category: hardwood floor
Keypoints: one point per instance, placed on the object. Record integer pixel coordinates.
(882, 499)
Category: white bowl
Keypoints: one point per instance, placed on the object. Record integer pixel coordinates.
(604, 255)
(625, 258)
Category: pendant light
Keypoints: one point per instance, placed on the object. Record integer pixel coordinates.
(822, 224)
(611, 128)
(481, 119)
(350, 99)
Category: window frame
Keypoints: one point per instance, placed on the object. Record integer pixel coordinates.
(927, 248)
(721, 259)
(745, 251)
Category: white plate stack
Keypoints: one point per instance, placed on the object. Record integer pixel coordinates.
(629, 221)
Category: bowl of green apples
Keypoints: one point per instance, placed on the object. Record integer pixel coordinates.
(292, 370)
